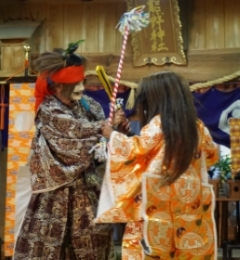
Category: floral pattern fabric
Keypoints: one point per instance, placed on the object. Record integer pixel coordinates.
(58, 223)
(163, 222)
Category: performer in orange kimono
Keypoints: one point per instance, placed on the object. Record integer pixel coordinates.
(157, 182)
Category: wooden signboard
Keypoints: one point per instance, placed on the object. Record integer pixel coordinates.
(161, 42)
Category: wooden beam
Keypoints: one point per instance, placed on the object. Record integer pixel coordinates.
(202, 65)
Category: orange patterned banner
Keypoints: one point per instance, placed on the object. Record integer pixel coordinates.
(21, 131)
(235, 144)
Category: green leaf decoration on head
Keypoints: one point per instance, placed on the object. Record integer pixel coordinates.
(72, 47)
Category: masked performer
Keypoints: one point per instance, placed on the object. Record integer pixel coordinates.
(65, 186)
(157, 182)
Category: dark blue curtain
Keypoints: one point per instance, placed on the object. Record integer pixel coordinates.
(214, 108)
(4, 132)
(102, 98)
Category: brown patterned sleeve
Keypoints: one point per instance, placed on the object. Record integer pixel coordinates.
(68, 137)
(61, 147)
(64, 125)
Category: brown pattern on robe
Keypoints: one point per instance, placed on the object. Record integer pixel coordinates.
(59, 219)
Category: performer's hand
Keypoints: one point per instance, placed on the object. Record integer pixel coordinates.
(106, 130)
(100, 123)
(124, 127)
(118, 117)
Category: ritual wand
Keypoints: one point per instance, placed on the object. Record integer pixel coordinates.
(132, 21)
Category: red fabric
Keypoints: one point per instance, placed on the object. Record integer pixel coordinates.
(41, 90)
(68, 75)
(72, 74)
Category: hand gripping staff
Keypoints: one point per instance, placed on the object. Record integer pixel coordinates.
(132, 21)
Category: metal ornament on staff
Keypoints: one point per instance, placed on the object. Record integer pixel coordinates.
(132, 21)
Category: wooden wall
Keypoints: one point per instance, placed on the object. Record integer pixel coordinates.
(213, 24)
(211, 33)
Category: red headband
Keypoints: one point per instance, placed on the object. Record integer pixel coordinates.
(68, 75)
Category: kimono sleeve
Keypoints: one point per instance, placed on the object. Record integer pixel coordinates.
(124, 148)
(128, 160)
(69, 139)
(66, 126)
(60, 148)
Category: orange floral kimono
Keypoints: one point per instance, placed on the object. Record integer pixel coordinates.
(170, 222)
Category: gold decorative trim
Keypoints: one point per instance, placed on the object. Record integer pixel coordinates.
(161, 42)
